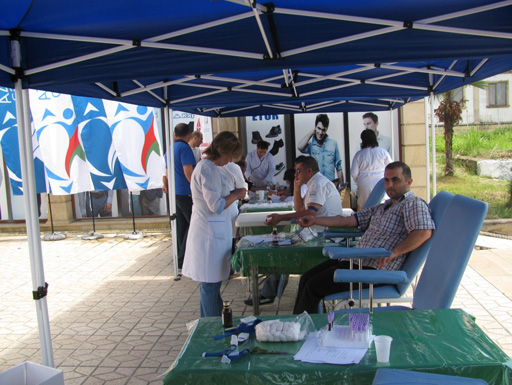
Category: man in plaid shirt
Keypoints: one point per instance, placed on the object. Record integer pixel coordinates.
(400, 224)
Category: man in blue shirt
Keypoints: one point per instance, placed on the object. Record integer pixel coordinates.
(323, 149)
(184, 163)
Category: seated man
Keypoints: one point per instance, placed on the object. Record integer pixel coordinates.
(400, 224)
(322, 198)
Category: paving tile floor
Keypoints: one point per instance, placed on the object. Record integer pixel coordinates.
(118, 316)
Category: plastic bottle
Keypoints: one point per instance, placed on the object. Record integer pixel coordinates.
(275, 236)
(227, 315)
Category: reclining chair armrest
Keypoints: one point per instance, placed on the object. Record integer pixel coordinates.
(354, 252)
(390, 277)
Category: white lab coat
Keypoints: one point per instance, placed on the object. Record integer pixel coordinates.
(235, 179)
(210, 233)
(367, 169)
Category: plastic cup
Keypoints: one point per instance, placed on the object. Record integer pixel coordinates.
(383, 347)
(261, 195)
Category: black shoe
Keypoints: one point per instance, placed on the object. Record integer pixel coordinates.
(274, 132)
(256, 137)
(263, 301)
(277, 145)
(279, 168)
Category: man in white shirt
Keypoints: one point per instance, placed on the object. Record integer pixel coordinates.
(322, 199)
(196, 138)
(260, 165)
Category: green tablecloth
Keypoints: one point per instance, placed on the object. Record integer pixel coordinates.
(435, 341)
(294, 259)
(260, 230)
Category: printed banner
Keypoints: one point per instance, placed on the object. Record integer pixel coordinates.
(10, 145)
(137, 143)
(59, 138)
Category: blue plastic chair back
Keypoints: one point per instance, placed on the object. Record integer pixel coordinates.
(376, 195)
(413, 263)
(406, 377)
(449, 254)
(417, 257)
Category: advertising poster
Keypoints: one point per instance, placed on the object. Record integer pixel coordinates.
(384, 123)
(311, 130)
(269, 128)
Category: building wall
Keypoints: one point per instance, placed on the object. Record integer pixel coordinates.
(413, 149)
(477, 111)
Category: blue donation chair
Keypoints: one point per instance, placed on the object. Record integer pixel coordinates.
(350, 234)
(405, 377)
(448, 254)
(393, 292)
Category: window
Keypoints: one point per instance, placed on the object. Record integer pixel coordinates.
(497, 94)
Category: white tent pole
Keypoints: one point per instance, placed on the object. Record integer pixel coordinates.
(391, 124)
(427, 147)
(339, 41)
(262, 30)
(467, 12)
(478, 66)
(31, 215)
(433, 133)
(7, 69)
(171, 191)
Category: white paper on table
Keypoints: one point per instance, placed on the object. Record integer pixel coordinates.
(312, 351)
(258, 238)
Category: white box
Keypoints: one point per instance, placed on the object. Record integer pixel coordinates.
(29, 373)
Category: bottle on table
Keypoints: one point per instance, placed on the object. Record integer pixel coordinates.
(275, 236)
(227, 315)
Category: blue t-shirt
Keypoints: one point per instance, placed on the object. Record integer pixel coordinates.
(183, 155)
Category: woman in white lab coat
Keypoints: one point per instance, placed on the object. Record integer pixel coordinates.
(210, 233)
(368, 166)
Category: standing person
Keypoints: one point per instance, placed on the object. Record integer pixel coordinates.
(101, 204)
(184, 163)
(196, 138)
(260, 165)
(323, 149)
(401, 224)
(322, 198)
(368, 166)
(149, 201)
(209, 240)
(371, 122)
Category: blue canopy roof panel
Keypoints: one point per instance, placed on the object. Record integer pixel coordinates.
(203, 55)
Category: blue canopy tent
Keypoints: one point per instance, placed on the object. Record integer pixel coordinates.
(231, 58)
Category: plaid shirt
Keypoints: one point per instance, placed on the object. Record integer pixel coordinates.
(388, 224)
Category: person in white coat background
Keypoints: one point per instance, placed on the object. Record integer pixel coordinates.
(209, 238)
(368, 166)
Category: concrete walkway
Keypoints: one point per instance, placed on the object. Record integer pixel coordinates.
(118, 316)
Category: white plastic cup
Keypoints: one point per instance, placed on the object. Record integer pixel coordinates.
(261, 195)
(383, 347)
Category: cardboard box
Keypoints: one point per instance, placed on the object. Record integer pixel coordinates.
(29, 373)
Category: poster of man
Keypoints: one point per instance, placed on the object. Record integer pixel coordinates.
(321, 136)
(385, 126)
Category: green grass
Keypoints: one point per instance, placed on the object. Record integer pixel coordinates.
(480, 143)
(492, 191)
(483, 145)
